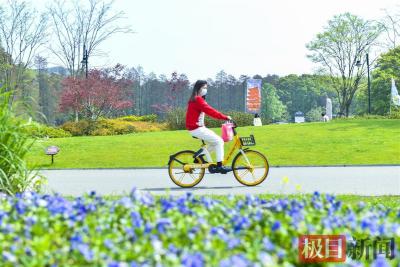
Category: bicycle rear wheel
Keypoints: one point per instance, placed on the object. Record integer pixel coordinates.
(181, 177)
(251, 168)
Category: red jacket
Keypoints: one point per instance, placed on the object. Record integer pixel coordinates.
(195, 108)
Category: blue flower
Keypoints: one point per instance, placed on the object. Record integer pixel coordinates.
(162, 224)
(136, 219)
(236, 261)
(86, 251)
(20, 206)
(193, 260)
(7, 256)
(380, 262)
(108, 244)
(276, 226)
(166, 204)
(233, 242)
(268, 245)
(240, 222)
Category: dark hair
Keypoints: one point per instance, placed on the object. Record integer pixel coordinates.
(256, 115)
(323, 114)
(196, 88)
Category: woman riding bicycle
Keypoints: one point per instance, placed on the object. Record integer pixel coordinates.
(197, 107)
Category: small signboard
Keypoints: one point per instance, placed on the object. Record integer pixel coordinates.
(51, 151)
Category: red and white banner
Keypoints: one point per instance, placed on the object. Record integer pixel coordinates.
(253, 95)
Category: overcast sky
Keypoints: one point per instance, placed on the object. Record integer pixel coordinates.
(200, 38)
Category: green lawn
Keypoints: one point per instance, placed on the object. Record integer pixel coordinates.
(333, 143)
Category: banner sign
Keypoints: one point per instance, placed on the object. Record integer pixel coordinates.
(253, 96)
(395, 94)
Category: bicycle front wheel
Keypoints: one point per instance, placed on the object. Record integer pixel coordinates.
(182, 177)
(250, 167)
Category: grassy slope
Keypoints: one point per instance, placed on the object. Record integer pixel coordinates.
(334, 143)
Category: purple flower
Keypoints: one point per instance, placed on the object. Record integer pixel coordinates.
(193, 260)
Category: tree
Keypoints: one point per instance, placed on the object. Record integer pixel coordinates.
(22, 32)
(103, 92)
(44, 92)
(345, 41)
(272, 107)
(88, 23)
(391, 26)
(387, 67)
(176, 85)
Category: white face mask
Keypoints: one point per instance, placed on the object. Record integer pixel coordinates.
(203, 91)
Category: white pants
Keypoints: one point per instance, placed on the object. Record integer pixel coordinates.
(213, 141)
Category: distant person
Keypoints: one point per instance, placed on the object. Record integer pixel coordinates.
(325, 118)
(257, 120)
(197, 107)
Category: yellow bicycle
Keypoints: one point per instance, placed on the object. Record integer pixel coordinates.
(187, 168)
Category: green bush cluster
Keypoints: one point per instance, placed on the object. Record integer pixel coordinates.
(39, 130)
(150, 118)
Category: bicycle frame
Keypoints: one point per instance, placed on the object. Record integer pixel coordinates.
(237, 145)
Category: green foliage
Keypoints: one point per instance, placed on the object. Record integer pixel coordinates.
(15, 143)
(40, 130)
(387, 68)
(272, 107)
(176, 119)
(315, 114)
(241, 119)
(150, 118)
(346, 38)
(305, 92)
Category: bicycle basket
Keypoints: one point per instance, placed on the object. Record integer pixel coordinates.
(248, 141)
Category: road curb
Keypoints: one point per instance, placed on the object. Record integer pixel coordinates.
(277, 166)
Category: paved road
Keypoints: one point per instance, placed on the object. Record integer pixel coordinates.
(371, 180)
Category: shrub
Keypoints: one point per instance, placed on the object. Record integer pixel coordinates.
(76, 128)
(150, 118)
(394, 114)
(115, 126)
(314, 114)
(15, 177)
(176, 119)
(112, 127)
(40, 130)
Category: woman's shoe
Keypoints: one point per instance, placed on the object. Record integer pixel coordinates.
(223, 169)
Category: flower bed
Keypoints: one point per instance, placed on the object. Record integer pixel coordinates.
(140, 230)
